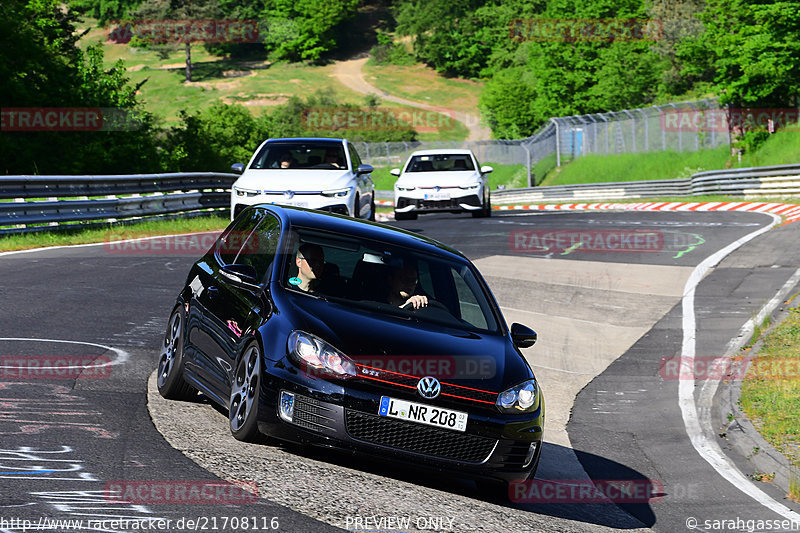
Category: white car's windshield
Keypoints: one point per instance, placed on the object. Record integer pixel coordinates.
(381, 277)
(440, 162)
(318, 155)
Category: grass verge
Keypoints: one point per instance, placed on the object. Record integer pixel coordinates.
(780, 149)
(112, 232)
(771, 389)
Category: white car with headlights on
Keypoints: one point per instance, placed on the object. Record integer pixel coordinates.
(441, 181)
(315, 173)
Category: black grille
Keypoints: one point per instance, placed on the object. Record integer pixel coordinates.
(310, 413)
(417, 438)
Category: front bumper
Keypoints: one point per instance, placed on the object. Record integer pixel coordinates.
(332, 204)
(405, 204)
(333, 415)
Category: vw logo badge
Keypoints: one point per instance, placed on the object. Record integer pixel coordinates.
(429, 387)
(437, 188)
(289, 194)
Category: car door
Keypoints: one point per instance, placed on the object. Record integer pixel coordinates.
(232, 310)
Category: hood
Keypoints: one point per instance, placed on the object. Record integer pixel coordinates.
(471, 359)
(293, 180)
(449, 178)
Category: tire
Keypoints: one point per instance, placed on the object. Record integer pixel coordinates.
(486, 211)
(405, 216)
(245, 391)
(357, 207)
(171, 384)
(372, 209)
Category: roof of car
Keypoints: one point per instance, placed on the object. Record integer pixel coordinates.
(442, 151)
(343, 225)
(304, 139)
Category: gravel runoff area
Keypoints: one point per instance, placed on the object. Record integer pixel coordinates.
(330, 492)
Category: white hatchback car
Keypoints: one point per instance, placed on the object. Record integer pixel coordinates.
(316, 173)
(441, 180)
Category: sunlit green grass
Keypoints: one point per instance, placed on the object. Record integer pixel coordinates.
(781, 148)
(771, 389)
(112, 232)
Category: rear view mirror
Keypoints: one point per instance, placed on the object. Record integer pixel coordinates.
(523, 336)
(395, 172)
(364, 169)
(238, 168)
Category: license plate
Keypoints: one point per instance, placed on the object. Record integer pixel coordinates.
(296, 204)
(423, 414)
(437, 196)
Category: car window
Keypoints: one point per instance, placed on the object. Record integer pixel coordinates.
(231, 242)
(354, 157)
(318, 155)
(440, 163)
(260, 246)
(372, 275)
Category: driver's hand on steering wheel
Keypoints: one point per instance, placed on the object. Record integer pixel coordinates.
(417, 301)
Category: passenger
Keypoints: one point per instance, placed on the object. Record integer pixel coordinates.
(310, 261)
(286, 160)
(403, 285)
(332, 158)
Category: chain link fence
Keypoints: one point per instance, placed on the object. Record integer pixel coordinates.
(680, 127)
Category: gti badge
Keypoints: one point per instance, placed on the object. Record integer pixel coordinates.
(429, 388)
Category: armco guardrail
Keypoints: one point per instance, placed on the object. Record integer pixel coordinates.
(34, 203)
(755, 182)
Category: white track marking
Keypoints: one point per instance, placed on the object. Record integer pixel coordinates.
(705, 446)
(122, 355)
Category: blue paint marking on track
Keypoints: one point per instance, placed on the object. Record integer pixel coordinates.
(26, 472)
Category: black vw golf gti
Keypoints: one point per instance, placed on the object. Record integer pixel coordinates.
(324, 330)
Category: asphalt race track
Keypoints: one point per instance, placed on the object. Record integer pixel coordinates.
(611, 306)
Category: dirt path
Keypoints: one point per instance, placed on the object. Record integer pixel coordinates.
(349, 73)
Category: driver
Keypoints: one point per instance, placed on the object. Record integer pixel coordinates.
(310, 261)
(403, 285)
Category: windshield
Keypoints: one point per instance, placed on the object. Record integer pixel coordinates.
(440, 163)
(320, 155)
(382, 278)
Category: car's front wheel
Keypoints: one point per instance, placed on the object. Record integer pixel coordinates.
(372, 209)
(171, 384)
(243, 410)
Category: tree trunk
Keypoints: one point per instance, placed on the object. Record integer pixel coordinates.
(188, 61)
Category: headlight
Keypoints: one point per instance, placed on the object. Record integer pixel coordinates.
(470, 186)
(407, 188)
(244, 192)
(337, 193)
(314, 353)
(519, 399)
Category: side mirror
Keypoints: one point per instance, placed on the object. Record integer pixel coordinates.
(238, 168)
(364, 169)
(395, 172)
(523, 336)
(485, 169)
(241, 275)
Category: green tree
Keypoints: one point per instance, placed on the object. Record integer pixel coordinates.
(43, 68)
(305, 29)
(177, 10)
